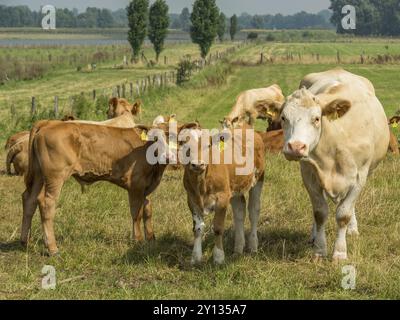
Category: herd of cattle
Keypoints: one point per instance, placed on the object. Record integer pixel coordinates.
(334, 126)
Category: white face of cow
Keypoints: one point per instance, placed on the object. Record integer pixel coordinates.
(302, 128)
(301, 119)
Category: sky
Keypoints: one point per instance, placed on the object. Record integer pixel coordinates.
(227, 6)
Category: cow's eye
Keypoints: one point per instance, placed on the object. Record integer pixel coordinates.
(317, 120)
(283, 119)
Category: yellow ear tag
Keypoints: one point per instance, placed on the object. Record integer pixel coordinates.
(221, 146)
(144, 136)
(395, 125)
(271, 114)
(172, 120)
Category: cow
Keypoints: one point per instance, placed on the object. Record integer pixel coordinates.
(336, 127)
(17, 145)
(394, 144)
(273, 140)
(119, 106)
(91, 153)
(211, 187)
(253, 104)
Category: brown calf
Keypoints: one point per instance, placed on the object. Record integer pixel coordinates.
(89, 153)
(211, 187)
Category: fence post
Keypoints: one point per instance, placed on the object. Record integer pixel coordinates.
(338, 56)
(118, 91)
(56, 107)
(123, 91)
(165, 60)
(33, 106)
(94, 94)
(131, 90)
(138, 88)
(262, 58)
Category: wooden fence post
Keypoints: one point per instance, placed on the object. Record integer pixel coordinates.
(123, 91)
(94, 94)
(262, 58)
(118, 91)
(165, 60)
(33, 106)
(56, 107)
(131, 90)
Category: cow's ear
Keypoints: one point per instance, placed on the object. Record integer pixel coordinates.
(336, 109)
(137, 108)
(113, 102)
(143, 131)
(394, 120)
(269, 109)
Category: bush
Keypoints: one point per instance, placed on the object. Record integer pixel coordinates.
(82, 108)
(270, 37)
(252, 36)
(184, 71)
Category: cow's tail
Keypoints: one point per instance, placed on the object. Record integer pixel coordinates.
(12, 152)
(29, 177)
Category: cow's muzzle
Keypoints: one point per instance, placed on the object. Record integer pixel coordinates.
(295, 151)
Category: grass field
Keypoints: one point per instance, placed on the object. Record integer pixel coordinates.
(93, 229)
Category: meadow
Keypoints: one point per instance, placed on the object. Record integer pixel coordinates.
(98, 259)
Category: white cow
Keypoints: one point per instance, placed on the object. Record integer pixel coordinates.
(337, 128)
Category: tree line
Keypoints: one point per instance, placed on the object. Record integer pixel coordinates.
(23, 16)
(373, 17)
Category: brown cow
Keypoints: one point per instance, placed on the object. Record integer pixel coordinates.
(91, 153)
(211, 187)
(394, 144)
(17, 145)
(274, 141)
(118, 107)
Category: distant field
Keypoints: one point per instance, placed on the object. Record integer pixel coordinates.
(93, 229)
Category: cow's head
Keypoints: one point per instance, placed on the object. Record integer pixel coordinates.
(198, 147)
(302, 118)
(118, 107)
(229, 123)
(163, 141)
(394, 121)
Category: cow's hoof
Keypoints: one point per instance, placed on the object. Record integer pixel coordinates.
(253, 245)
(219, 256)
(318, 258)
(238, 250)
(196, 260)
(55, 253)
(339, 256)
(353, 232)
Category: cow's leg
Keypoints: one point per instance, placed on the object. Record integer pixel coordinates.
(345, 212)
(148, 221)
(219, 228)
(30, 203)
(238, 204)
(320, 211)
(47, 204)
(352, 229)
(254, 213)
(198, 228)
(136, 202)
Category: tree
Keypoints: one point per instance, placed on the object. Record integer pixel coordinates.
(233, 27)
(138, 15)
(158, 25)
(221, 27)
(204, 18)
(185, 19)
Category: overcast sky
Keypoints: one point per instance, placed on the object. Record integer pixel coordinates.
(228, 6)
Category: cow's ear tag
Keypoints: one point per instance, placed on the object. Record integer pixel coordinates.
(395, 125)
(271, 114)
(144, 136)
(221, 145)
(172, 120)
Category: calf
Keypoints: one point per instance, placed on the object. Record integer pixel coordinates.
(118, 107)
(212, 187)
(91, 153)
(273, 141)
(17, 153)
